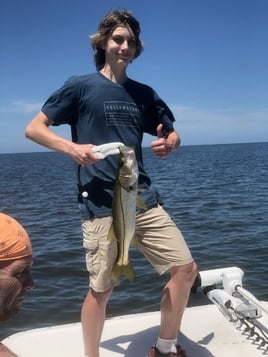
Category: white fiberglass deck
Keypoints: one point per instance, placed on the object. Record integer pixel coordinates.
(205, 333)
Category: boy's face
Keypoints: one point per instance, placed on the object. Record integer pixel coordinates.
(15, 279)
(121, 47)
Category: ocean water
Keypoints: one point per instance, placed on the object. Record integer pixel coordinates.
(217, 194)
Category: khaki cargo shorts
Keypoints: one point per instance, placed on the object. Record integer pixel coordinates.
(158, 238)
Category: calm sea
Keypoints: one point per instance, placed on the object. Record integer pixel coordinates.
(217, 194)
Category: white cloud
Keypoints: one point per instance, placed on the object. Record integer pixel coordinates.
(23, 107)
(191, 115)
(215, 126)
(198, 126)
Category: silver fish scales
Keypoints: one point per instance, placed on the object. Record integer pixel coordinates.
(124, 211)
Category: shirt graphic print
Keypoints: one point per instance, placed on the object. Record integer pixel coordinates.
(121, 113)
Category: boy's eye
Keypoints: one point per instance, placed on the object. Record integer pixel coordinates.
(119, 40)
(132, 42)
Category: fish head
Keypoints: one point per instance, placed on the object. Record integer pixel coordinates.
(128, 168)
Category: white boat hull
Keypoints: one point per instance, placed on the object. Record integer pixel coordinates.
(205, 333)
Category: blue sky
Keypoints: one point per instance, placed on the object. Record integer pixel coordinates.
(208, 59)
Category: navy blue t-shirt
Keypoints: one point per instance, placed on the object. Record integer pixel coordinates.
(100, 111)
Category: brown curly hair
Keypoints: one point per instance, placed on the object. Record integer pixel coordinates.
(109, 23)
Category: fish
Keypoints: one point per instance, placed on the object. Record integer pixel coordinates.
(124, 206)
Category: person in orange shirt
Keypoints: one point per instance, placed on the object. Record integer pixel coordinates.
(15, 270)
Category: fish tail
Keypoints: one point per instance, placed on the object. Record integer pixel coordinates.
(126, 270)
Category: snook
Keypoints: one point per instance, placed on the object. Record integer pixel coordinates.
(124, 211)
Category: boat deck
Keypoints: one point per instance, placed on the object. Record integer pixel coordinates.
(205, 333)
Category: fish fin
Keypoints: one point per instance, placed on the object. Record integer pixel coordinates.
(117, 271)
(111, 233)
(140, 203)
(129, 273)
(126, 270)
(133, 242)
